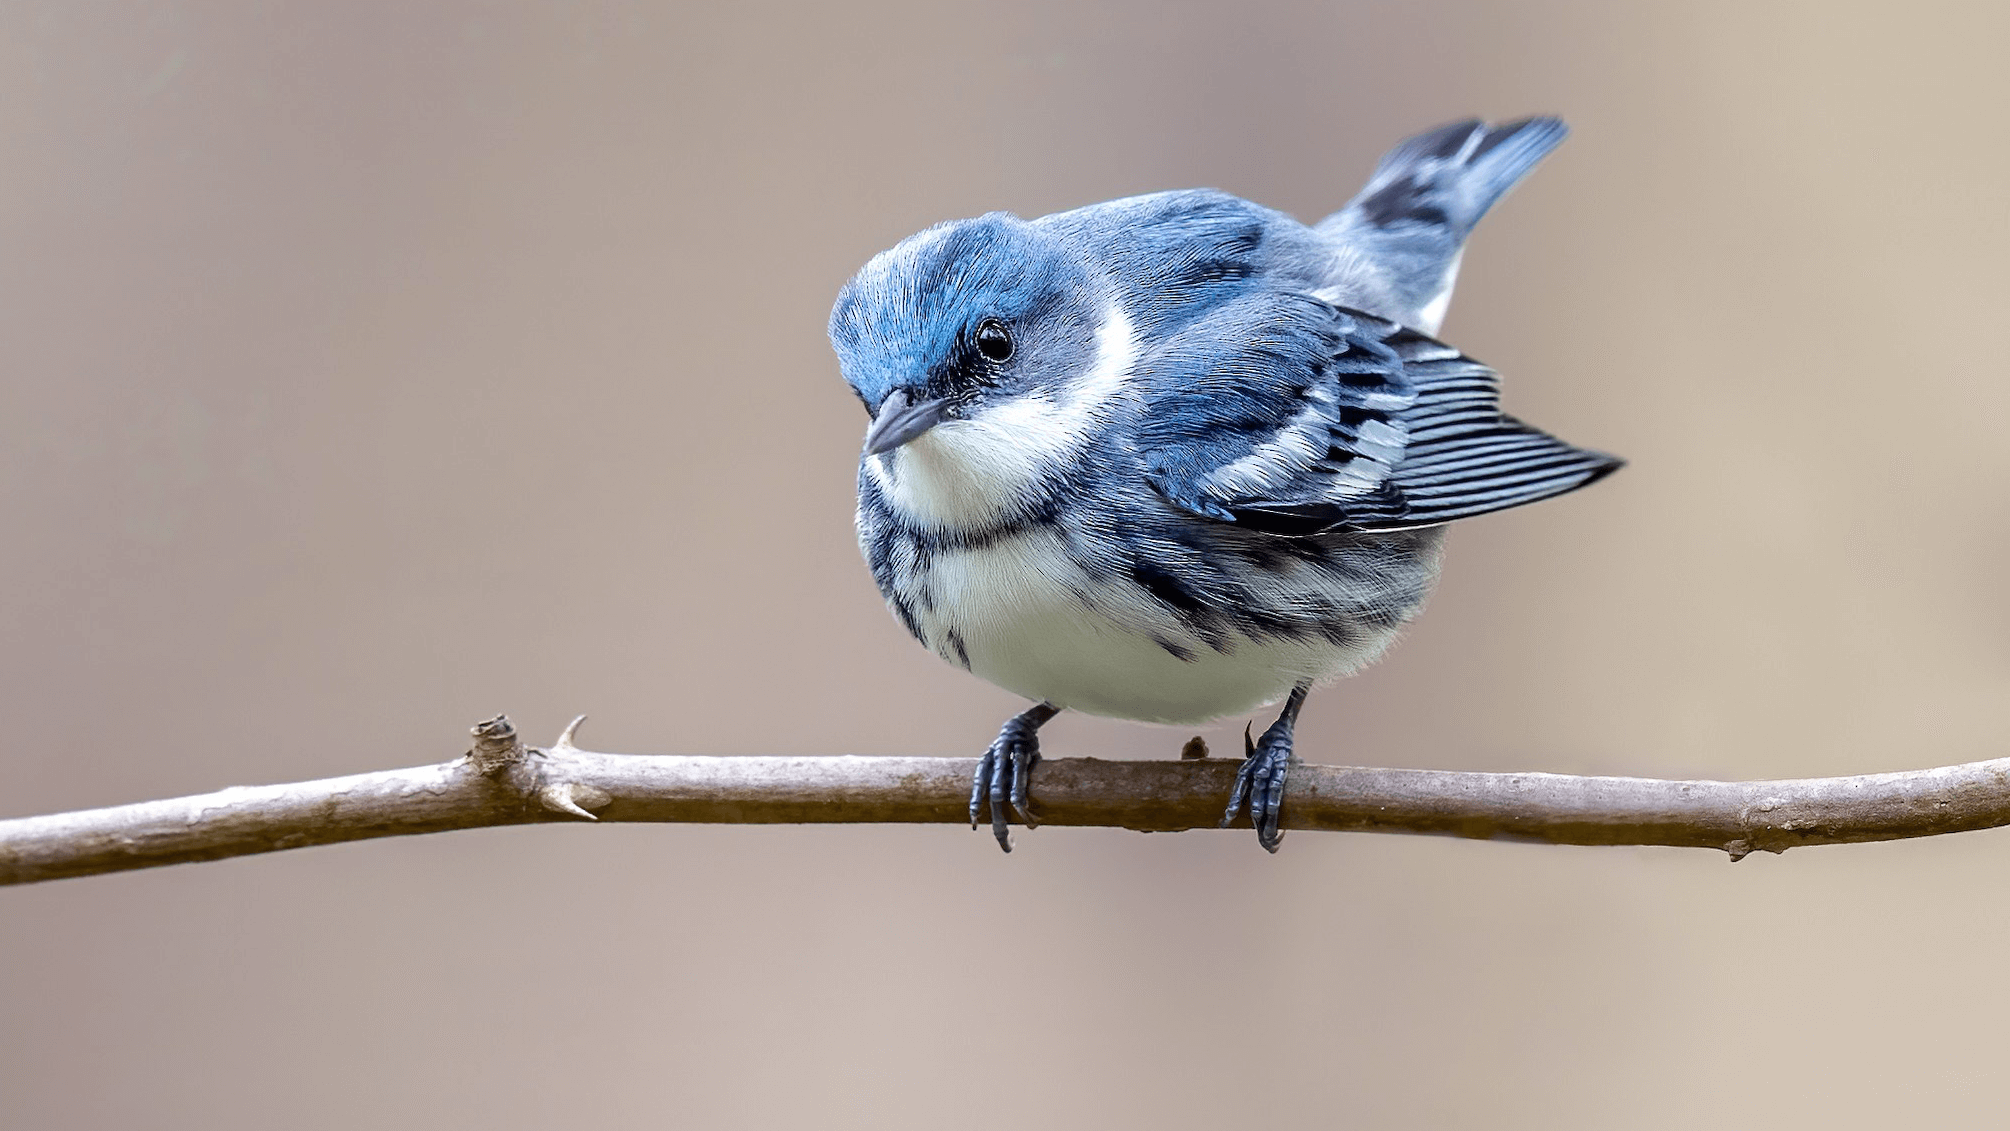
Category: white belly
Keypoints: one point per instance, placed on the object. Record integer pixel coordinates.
(1033, 622)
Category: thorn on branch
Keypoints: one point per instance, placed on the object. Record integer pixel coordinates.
(574, 798)
(564, 744)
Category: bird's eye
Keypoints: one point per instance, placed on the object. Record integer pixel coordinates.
(994, 341)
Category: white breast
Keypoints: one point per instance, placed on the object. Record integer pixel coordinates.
(1033, 622)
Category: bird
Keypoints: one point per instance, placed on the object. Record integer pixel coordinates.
(1178, 456)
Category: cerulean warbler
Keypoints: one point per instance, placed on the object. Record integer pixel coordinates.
(1176, 456)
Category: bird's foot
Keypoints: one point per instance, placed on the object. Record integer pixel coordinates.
(1005, 771)
(1260, 779)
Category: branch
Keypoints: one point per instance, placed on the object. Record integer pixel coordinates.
(501, 782)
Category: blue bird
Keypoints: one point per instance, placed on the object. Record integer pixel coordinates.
(1177, 456)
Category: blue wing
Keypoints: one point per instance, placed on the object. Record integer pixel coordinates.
(1285, 414)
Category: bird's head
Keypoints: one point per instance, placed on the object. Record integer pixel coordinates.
(958, 324)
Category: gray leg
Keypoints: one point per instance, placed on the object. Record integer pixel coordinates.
(1260, 780)
(1005, 770)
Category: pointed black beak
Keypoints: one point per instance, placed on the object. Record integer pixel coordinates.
(901, 420)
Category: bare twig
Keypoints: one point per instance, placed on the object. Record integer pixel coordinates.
(501, 782)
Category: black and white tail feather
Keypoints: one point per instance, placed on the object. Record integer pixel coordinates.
(1425, 196)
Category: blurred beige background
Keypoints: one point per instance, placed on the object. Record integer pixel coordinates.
(373, 368)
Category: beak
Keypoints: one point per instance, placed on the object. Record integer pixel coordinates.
(901, 420)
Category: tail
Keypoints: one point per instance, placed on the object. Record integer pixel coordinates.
(1413, 217)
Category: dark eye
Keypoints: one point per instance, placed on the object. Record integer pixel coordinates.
(994, 341)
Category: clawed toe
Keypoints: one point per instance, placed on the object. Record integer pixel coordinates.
(1005, 773)
(1259, 781)
(1000, 783)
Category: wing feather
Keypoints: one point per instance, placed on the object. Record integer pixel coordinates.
(1289, 415)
